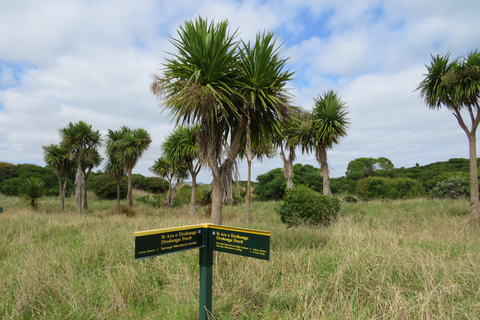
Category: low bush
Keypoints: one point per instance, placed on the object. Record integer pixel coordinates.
(452, 188)
(302, 205)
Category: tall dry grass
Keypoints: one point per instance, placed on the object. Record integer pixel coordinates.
(413, 259)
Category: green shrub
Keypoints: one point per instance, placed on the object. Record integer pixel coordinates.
(105, 187)
(149, 184)
(10, 187)
(452, 188)
(302, 205)
(272, 185)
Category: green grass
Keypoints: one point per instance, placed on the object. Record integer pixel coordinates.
(413, 259)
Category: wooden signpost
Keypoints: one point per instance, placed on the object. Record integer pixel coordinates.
(206, 237)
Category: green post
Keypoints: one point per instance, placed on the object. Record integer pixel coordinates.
(206, 262)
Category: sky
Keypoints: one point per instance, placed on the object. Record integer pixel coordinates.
(66, 61)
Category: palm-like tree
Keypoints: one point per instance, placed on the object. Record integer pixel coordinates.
(329, 124)
(205, 83)
(291, 136)
(32, 189)
(182, 146)
(80, 141)
(113, 164)
(92, 160)
(455, 84)
(129, 149)
(168, 169)
(266, 102)
(199, 86)
(57, 156)
(259, 147)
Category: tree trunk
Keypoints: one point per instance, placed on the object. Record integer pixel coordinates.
(321, 156)
(472, 147)
(62, 192)
(85, 203)
(249, 218)
(64, 188)
(288, 166)
(118, 190)
(193, 200)
(474, 207)
(78, 188)
(129, 193)
(217, 200)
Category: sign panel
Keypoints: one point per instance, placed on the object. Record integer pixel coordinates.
(162, 241)
(244, 242)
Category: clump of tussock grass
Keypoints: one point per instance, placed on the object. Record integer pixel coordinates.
(123, 210)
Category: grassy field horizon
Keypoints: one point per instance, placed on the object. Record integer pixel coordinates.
(411, 259)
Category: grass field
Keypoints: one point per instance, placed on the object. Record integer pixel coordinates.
(413, 259)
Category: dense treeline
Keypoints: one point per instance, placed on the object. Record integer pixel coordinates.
(370, 178)
(378, 180)
(102, 184)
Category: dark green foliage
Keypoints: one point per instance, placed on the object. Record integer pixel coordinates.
(343, 185)
(431, 174)
(370, 167)
(154, 185)
(302, 205)
(452, 188)
(11, 186)
(105, 186)
(7, 171)
(386, 188)
(307, 175)
(272, 185)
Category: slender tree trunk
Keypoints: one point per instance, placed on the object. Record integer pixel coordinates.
(78, 188)
(193, 200)
(217, 200)
(64, 188)
(85, 202)
(472, 146)
(222, 177)
(129, 193)
(119, 177)
(249, 218)
(287, 167)
(321, 156)
(62, 193)
(474, 201)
